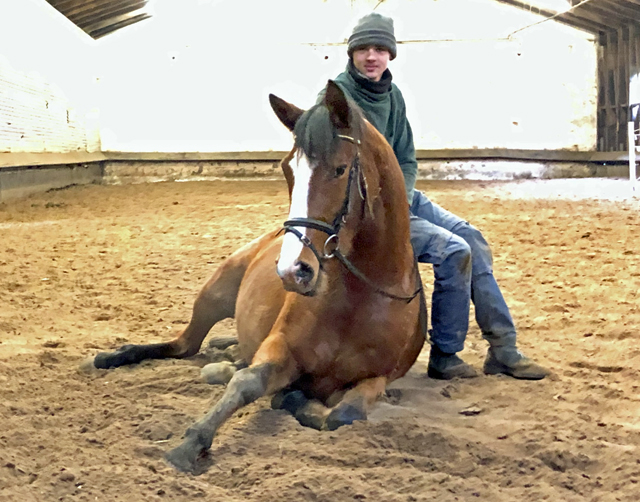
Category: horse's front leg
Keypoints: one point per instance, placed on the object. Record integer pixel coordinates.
(216, 301)
(343, 408)
(273, 368)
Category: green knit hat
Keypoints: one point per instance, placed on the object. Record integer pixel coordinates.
(373, 29)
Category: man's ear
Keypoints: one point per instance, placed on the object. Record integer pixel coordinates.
(336, 101)
(286, 112)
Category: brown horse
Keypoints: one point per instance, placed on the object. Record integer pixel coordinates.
(342, 312)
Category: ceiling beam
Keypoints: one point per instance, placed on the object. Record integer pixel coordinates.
(111, 28)
(97, 25)
(116, 10)
(104, 6)
(619, 15)
(567, 18)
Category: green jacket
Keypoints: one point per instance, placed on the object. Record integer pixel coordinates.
(383, 106)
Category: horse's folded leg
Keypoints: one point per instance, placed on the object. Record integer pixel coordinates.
(289, 400)
(355, 403)
(313, 414)
(308, 412)
(246, 386)
(132, 354)
(345, 414)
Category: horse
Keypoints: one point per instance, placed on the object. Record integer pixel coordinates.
(342, 313)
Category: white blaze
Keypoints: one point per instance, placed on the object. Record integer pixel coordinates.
(291, 245)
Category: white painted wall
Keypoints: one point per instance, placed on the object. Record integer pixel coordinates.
(48, 95)
(197, 75)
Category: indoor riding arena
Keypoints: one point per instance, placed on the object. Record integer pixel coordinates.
(138, 151)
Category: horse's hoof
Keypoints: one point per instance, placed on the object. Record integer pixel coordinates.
(313, 414)
(87, 366)
(184, 457)
(127, 354)
(102, 361)
(291, 401)
(343, 415)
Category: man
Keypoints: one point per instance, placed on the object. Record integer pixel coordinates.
(461, 257)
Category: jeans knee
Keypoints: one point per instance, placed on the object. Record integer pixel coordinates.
(454, 273)
(480, 250)
(462, 260)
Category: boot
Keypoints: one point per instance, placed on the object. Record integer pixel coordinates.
(443, 366)
(510, 361)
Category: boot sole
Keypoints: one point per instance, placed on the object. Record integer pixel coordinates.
(468, 372)
(494, 369)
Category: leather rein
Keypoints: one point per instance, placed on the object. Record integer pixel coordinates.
(331, 249)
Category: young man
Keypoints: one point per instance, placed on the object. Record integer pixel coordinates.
(461, 257)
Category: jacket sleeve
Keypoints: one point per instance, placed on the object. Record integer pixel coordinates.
(404, 148)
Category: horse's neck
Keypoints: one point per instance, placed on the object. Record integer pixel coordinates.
(385, 236)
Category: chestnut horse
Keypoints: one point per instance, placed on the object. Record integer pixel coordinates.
(342, 313)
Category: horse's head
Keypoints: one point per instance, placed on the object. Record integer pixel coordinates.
(328, 185)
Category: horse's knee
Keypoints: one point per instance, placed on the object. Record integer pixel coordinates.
(249, 384)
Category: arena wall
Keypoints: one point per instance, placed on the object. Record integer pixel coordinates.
(196, 78)
(47, 98)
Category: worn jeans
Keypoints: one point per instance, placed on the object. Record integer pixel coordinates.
(462, 266)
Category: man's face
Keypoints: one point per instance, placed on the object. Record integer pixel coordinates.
(371, 61)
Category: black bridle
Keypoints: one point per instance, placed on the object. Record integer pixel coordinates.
(331, 244)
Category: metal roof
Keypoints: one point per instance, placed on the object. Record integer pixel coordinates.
(595, 16)
(101, 17)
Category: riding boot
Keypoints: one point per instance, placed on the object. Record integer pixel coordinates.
(510, 361)
(443, 366)
(497, 326)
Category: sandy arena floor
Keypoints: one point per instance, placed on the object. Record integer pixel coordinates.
(90, 268)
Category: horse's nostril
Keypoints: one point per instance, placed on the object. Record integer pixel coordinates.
(304, 273)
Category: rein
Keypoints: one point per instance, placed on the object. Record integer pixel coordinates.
(332, 231)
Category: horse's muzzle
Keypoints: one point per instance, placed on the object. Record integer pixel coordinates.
(299, 278)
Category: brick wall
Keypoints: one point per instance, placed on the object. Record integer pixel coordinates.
(35, 116)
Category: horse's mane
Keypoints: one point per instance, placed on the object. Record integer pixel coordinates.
(315, 133)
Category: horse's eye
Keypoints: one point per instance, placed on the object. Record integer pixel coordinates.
(340, 170)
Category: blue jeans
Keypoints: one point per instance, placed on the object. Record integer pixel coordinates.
(462, 266)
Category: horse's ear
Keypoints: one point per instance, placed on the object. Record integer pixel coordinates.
(336, 101)
(286, 112)
(288, 172)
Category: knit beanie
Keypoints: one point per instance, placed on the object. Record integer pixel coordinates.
(373, 29)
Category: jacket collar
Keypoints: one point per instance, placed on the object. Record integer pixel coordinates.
(381, 87)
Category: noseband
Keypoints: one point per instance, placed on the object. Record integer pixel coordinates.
(331, 244)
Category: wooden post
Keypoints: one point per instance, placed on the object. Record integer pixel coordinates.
(632, 153)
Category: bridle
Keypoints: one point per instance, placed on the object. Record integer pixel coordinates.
(330, 248)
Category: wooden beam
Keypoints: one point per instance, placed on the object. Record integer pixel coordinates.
(572, 21)
(95, 26)
(109, 6)
(109, 13)
(622, 8)
(101, 32)
(595, 16)
(610, 16)
(582, 22)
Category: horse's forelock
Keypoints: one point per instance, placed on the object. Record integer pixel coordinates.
(315, 133)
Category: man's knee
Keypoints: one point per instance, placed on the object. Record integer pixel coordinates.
(480, 250)
(460, 260)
